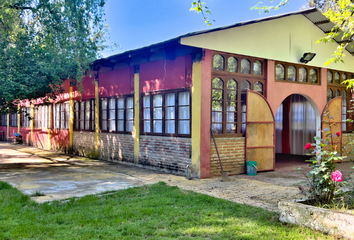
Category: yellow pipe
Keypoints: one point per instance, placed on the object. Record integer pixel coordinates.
(136, 117)
(71, 119)
(49, 124)
(97, 119)
(18, 118)
(196, 116)
(8, 127)
(32, 123)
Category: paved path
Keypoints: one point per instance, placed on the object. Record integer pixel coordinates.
(60, 176)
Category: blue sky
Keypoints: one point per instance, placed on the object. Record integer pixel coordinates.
(138, 23)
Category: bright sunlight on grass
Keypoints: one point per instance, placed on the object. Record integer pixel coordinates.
(153, 211)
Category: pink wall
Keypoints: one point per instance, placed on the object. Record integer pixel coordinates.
(40, 138)
(205, 116)
(59, 139)
(88, 86)
(166, 74)
(26, 135)
(117, 82)
(278, 91)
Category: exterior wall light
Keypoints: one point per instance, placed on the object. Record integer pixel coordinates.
(307, 57)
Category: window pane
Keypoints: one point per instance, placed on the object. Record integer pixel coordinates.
(279, 72)
(313, 76)
(218, 83)
(146, 101)
(291, 73)
(231, 128)
(184, 127)
(104, 104)
(121, 114)
(217, 128)
(344, 77)
(130, 102)
(329, 94)
(216, 117)
(112, 103)
(157, 126)
(157, 113)
(231, 106)
(157, 100)
(183, 98)
(183, 113)
(232, 84)
(245, 66)
(121, 125)
(258, 87)
(217, 105)
(302, 75)
(170, 99)
(232, 64)
(104, 125)
(231, 95)
(257, 68)
(120, 102)
(344, 96)
(245, 85)
(337, 94)
(218, 62)
(112, 125)
(329, 77)
(170, 126)
(170, 113)
(130, 114)
(147, 126)
(217, 94)
(336, 78)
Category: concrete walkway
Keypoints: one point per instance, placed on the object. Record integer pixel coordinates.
(60, 176)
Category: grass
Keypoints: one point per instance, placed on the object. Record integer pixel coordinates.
(150, 212)
(38, 194)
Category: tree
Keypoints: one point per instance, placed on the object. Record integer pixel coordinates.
(43, 43)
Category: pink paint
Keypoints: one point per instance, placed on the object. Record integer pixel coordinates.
(4, 130)
(278, 91)
(40, 138)
(59, 139)
(117, 82)
(26, 135)
(166, 74)
(88, 86)
(205, 116)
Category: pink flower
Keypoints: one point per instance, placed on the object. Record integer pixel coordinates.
(338, 134)
(317, 153)
(337, 176)
(308, 146)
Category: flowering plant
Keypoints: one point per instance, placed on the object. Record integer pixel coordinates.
(323, 181)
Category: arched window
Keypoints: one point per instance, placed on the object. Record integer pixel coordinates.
(336, 78)
(344, 76)
(279, 72)
(329, 94)
(245, 85)
(337, 93)
(232, 64)
(344, 110)
(231, 113)
(258, 87)
(218, 62)
(291, 73)
(302, 74)
(217, 105)
(245, 66)
(257, 68)
(329, 77)
(313, 76)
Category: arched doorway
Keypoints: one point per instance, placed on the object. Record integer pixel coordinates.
(297, 122)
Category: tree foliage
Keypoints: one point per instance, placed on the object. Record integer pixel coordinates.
(43, 43)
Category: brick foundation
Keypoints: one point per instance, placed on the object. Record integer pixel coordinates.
(116, 147)
(84, 144)
(232, 155)
(171, 154)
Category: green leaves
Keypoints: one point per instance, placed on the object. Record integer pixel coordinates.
(44, 42)
(200, 7)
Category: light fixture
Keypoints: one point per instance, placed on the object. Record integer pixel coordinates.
(307, 57)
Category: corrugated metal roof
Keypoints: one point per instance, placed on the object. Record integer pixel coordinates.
(322, 22)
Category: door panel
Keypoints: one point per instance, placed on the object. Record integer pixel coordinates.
(335, 112)
(260, 132)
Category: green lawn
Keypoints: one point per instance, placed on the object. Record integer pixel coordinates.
(149, 212)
